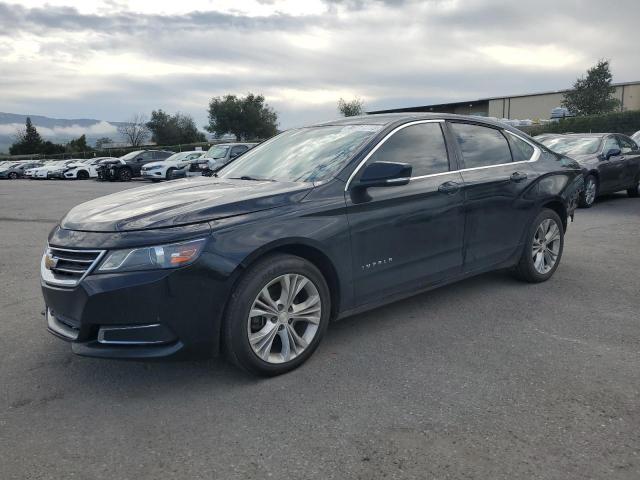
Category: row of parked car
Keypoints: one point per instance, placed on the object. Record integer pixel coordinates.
(154, 165)
(609, 161)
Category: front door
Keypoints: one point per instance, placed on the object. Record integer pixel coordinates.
(612, 169)
(410, 236)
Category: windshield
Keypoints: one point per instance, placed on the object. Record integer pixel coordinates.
(131, 155)
(217, 151)
(302, 155)
(573, 145)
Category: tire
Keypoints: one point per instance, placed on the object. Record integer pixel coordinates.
(267, 275)
(634, 192)
(13, 176)
(169, 174)
(82, 175)
(587, 200)
(528, 268)
(124, 175)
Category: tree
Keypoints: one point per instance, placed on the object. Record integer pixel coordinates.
(593, 94)
(27, 140)
(352, 108)
(78, 145)
(246, 118)
(103, 142)
(135, 131)
(173, 129)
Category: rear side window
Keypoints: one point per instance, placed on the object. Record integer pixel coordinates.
(481, 146)
(520, 150)
(421, 145)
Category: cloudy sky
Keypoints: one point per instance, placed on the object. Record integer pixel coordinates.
(109, 59)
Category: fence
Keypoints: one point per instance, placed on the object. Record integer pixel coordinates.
(116, 151)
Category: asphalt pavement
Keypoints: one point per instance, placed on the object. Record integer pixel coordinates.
(489, 378)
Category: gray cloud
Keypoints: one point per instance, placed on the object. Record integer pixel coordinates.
(392, 53)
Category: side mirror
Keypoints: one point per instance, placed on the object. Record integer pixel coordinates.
(385, 174)
(613, 152)
(139, 159)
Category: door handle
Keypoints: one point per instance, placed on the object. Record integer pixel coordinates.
(449, 188)
(518, 176)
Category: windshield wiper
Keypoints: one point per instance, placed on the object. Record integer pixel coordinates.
(257, 179)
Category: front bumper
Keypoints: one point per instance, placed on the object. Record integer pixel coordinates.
(142, 315)
(153, 174)
(57, 175)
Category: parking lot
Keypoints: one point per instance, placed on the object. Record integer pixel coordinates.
(489, 378)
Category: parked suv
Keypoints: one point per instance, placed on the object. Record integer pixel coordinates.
(129, 165)
(313, 225)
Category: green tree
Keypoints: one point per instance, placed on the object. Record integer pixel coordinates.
(593, 94)
(27, 141)
(173, 129)
(245, 117)
(78, 145)
(352, 108)
(103, 142)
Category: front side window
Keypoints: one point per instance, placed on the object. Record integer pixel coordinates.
(421, 145)
(627, 145)
(609, 144)
(481, 146)
(310, 154)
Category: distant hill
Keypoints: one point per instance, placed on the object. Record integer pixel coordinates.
(58, 130)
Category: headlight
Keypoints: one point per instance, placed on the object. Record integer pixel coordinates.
(152, 258)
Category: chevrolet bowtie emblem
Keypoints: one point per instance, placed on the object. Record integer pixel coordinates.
(50, 262)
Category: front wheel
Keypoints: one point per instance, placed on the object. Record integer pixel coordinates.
(124, 175)
(277, 315)
(82, 175)
(542, 249)
(169, 175)
(590, 192)
(634, 191)
(13, 176)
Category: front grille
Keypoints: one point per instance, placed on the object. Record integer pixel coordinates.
(66, 267)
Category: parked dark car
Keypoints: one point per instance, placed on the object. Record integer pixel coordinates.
(313, 225)
(130, 165)
(16, 170)
(610, 162)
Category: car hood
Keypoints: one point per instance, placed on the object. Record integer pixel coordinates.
(181, 202)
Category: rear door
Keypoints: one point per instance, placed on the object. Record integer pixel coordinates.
(405, 237)
(612, 169)
(493, 185)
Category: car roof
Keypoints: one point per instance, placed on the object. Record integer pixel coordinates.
(386, 119)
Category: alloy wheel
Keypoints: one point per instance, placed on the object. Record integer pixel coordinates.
(590, 191)
(284, 318)
(546, 246)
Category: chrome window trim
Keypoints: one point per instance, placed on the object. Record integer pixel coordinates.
(534, 158)
(48, 276)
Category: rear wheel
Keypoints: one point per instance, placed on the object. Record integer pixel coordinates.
(124, 175)
(543, 248)
(590, 192)
(634, 191)
(277, 315)
(82, 175)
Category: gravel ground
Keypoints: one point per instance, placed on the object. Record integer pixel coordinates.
(488, 378)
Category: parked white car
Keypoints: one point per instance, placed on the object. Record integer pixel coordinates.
(31, 173)
(162, 170)
(83, 169)
(53, 170)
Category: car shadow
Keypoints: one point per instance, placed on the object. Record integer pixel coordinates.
(144, 376)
